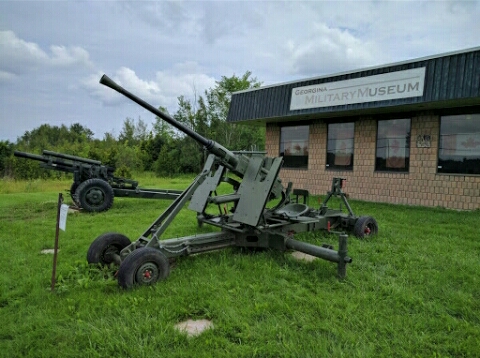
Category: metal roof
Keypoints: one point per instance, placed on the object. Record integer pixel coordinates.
(451, 80)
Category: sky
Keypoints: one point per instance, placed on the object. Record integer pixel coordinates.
(53, 53)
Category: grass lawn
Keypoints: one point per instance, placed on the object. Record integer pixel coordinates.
(412, 291)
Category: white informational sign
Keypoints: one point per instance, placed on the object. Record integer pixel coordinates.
(63, 217)
(387, 86)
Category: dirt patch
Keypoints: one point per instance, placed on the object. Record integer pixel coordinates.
(194, 328)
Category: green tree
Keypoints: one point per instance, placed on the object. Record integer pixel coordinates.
(133, 132)
(167, 163)
(217, 103)
(191, 153)
(151, 148)
(163, 149)
(208, 117)
(127, 133)
(6, 151)
(80, 133)
(162, 133)
(74, 140)
(162, 128)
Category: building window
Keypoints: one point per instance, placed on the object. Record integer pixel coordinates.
(459, 144)
(340, 146)
(393, 145)
(294, 146)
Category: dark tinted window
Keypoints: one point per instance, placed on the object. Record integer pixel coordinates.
(340, 146)
(294, 146)
(393, 145)
(459, 144)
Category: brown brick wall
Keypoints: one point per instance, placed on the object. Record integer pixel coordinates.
(420, 186)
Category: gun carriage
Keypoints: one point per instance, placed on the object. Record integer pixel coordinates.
(257, 212)
(94, 184)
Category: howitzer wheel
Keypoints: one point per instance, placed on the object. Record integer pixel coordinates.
(365, 226)
(95, 195)
(73, 195)
(104, 247)
(144, 266)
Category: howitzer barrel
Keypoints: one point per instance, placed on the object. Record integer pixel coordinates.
(62, 162)
(72, 157)
(210, 145)
(30, 156)
(48, 162)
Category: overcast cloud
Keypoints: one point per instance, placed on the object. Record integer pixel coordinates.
(53, 53)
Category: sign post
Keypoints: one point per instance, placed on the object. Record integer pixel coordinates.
(61, 223)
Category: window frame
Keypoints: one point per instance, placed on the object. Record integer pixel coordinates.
(394, 160)
(295, 161)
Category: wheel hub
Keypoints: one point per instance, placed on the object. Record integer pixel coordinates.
(147, 274)
(108, 255)
(94, 197)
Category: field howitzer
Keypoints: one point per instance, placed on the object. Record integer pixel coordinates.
(94, 184)
(256, 212)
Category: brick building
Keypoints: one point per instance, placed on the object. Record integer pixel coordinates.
(406, 133)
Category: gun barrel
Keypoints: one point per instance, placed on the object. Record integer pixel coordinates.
(62, 162)
(72, 157)
(30, 156)
(213, 147)
(107, 81)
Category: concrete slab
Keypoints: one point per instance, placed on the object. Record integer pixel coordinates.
(302, 256)
(194, 327)
(48, 251)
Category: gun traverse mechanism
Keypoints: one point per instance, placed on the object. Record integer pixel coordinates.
(257, 212)
(94, 184)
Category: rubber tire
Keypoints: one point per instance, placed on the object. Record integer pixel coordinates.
(365, 226)
(95, 195)
(73, 191)
(144, 260)
(108, 242)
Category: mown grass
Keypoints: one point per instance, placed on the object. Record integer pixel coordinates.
(145, 179)
(412, 291)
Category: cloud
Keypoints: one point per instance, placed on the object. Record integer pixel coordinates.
(204, 21)
(162, 50)
(407, 30)
(162, 15)
(124, 77)
(231, 20)
(18, 56)
(6, 76)
(185, 79)
(69, 56)
(327, 50)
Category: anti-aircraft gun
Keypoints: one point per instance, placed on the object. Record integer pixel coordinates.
(94, 184)
(256, 213)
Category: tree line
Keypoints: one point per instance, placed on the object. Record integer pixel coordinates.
(159, 148)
